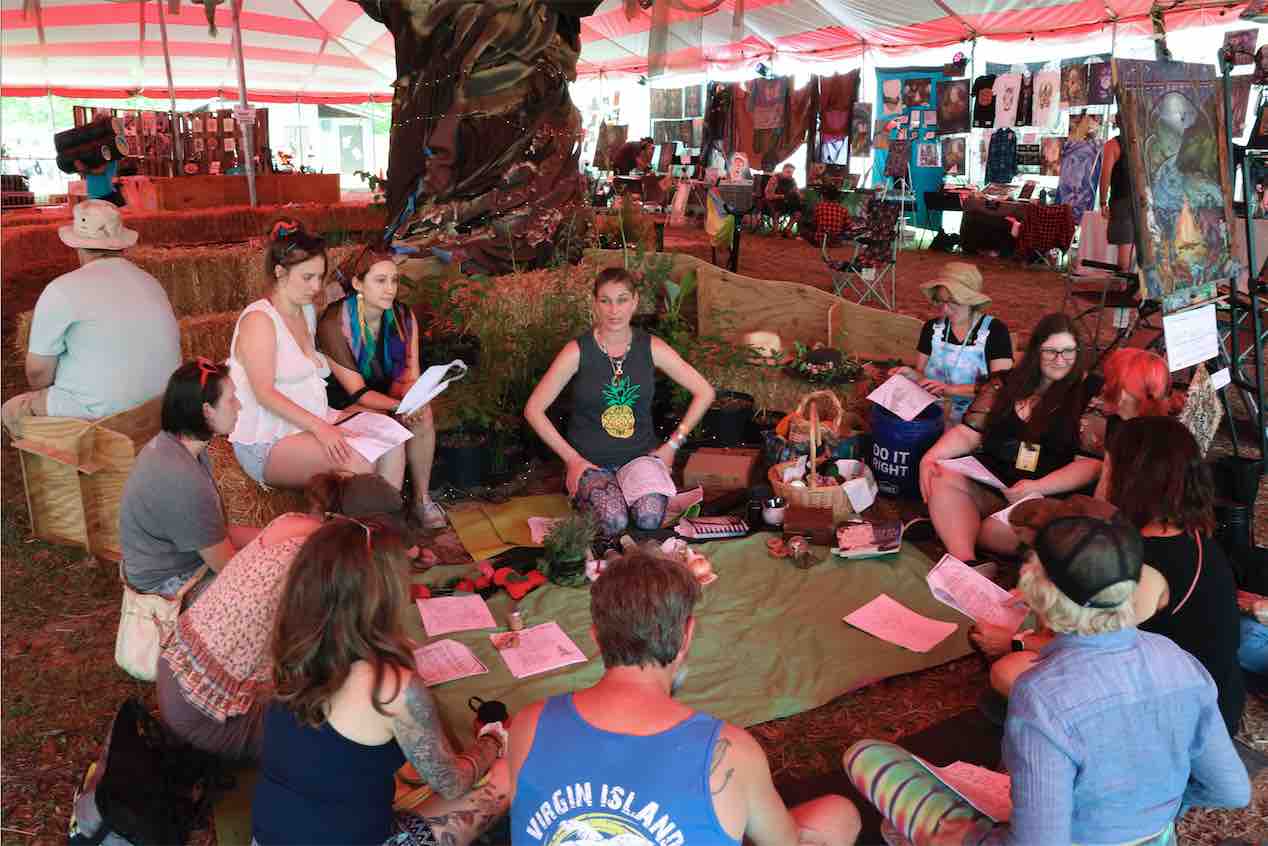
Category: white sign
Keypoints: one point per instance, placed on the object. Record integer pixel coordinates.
(1191, 336)
(1220, 378)
(244, 115)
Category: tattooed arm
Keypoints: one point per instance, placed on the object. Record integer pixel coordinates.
(744, 795)
(417, 728)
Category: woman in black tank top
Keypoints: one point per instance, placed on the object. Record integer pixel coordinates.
(1187, 589)
(612, 370)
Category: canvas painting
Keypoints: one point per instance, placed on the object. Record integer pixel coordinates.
(860, 130)
(1172, 128)
(1100, 87)
(1073, 86)
(953, 106)
(880, 135)
(897, 164)
(666, 103)
(1050, 156)
(693, 101)
(891, 89)
(917, 92)
(953, 150)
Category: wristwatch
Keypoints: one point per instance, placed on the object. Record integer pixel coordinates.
(1019, 640)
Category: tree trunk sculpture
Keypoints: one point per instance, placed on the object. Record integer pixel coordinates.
(482, 168)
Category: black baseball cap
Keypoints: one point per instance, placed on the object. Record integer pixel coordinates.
(1085, 555)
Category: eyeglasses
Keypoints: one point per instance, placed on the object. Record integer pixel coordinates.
(941, 302)
(206, 367)
(1050, 354)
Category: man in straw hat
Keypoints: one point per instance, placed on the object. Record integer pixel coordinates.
(103, 337)
(1112, 734)
(963, 345)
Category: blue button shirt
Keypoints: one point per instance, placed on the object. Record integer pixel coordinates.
(1109, 736)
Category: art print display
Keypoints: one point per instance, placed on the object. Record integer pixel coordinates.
(1242, 42)
(953, 150)
(860, 130)
(1047, 99)
(1100, 85)
(1050, 156)
(666, 103)
(693, 101)
(1073, 86)
(917, 92)
(892, 92)
(899, 160)
(1173, 132)
(953, 106)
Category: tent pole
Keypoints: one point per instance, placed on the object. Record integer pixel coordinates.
(177, 151)
(247, 129)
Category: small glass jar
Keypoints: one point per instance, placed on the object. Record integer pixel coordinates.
(773, 511)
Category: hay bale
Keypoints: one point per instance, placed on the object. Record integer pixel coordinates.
(22, 337)
(245, 502)
(207, 335)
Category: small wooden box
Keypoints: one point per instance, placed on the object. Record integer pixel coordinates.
(817, 524)
(721, 469)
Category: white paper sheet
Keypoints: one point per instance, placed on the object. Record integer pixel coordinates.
(974, 469)
(1220, 378)
(446, 660)
(902, 396)
(986, 790)
(1191, 337)
(891, 621)
(958, 585)
(434, 380)
(541, 648)
(372, 434)
(1002, 514)
(445, 614)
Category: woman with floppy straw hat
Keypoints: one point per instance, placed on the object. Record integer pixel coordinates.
(964, 345)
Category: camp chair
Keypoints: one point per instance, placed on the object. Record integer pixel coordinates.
(872, 271)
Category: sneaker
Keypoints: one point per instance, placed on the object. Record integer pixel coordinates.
(430, 514)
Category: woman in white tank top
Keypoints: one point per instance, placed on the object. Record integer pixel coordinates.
(284, 434)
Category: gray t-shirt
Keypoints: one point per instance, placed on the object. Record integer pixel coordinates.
(170, 510)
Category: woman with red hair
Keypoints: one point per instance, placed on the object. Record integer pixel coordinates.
(1137, 384)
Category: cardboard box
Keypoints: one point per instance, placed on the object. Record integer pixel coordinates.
(818, 524)
(718, 469)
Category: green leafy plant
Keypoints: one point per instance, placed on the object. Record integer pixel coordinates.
(566, 548)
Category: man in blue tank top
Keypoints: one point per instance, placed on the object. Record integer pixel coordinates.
(625, 763)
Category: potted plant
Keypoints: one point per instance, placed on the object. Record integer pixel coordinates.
(566, 549)
(728, 418)
(462, 450)
(446, 305)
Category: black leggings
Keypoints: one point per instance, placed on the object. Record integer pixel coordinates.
(599, 493)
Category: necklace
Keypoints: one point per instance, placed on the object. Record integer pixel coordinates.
(617, 364)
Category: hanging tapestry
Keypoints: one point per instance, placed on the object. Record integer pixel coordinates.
(767, 102)
(1171, 116)
(861, 130)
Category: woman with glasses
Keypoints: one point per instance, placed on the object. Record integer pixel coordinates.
(959, 349)
(214, 671)
(171, 521)
(286, 433)
(349, 710)
(1024, 426)
(372, 344)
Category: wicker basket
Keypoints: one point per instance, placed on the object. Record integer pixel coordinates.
(830, 497)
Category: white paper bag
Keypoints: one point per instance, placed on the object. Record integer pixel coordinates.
(860, 485)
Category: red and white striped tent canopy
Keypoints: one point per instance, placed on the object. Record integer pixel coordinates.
(329, 51)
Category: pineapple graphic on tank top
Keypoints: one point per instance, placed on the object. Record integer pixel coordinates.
(618, 417)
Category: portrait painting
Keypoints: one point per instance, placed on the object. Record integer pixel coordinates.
(1100, 84)
(1074, 86)
(1175, 136)
(1242, 42)
(917, 92)
(891, 91)
(953, 106)
(861, 130)
(928, 155)
(953, 150)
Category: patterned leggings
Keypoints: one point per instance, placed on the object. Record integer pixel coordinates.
(920, 807)
(599, 493)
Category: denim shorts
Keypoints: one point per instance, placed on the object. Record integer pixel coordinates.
(253, 458)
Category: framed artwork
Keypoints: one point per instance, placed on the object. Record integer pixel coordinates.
(953, 150)
(928, 155)
(953, 106)
(899, 160)
(891, 91)
(1173, 131)
(1257, 175)
(1050, 156)
(917, 92)
(1100, 90)
(693, 101)
(1242, 42)
(666, 103)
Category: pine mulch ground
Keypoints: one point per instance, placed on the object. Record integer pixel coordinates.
(59, 610)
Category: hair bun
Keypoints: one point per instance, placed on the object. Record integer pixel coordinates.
(285, 228)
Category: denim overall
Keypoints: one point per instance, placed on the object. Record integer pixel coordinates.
(958, 364)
